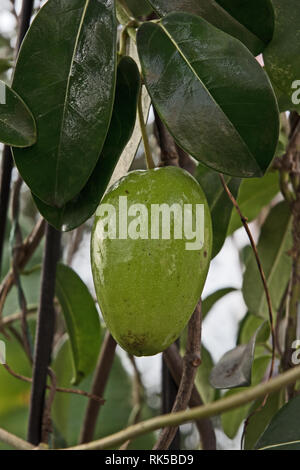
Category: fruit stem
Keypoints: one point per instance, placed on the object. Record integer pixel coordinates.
(148, 154)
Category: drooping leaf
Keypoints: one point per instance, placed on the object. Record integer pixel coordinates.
(232, 420)
(261, 418)
(273, 246)
(235, 368)
(82, 320)
(68, 410)
(283, 433)
(201, 89)
(251, 24)
(254, 195)
(17, 126)
(78, 210)
(66, 74)
(281, 57)
(211, 299)
(256, 15)
(219, 203)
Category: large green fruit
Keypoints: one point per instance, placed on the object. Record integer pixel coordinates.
(148, 287)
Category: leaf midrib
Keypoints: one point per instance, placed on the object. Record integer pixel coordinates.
(67, 94)
(208, 92)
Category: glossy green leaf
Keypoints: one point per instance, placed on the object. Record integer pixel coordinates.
(283, 433)
(256, 15)
(139, 7)
(82, 320)
(254, 195)
(281, 57)
(211, 299)
(261, 418)
(252, 25)
(201, 89)
(219, 203)
(66, 74)
(235, 368)
(77, 211)
(274, 243)
(17, 126)
(232, 420)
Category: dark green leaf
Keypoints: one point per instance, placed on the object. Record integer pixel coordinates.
(77, 211)
(274, 243)
(210, 300)
(251, 24)
(256, 15)
(232, 420)
(281, 57)
(260, 419)
(82, 320)
(253, 196)
(200, 86)
(66, 74)
(219, 203)
(17, 126)
(139, 7)
(235, 368)
(283, 433)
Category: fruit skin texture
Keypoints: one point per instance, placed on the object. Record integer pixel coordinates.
(148, 289)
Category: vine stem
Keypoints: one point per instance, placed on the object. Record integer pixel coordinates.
(44, 335)
(103, 369)
(174, 362)
(148, 154)
(7, 161)
(175, 419)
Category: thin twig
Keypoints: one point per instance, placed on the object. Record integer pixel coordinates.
(191, 362)
(25, 253)
(267, 293)
(101, 376)
(174, 362)
(14, 441)
(73, 391)
(7, 161)
(261, 271)
(17, 236)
